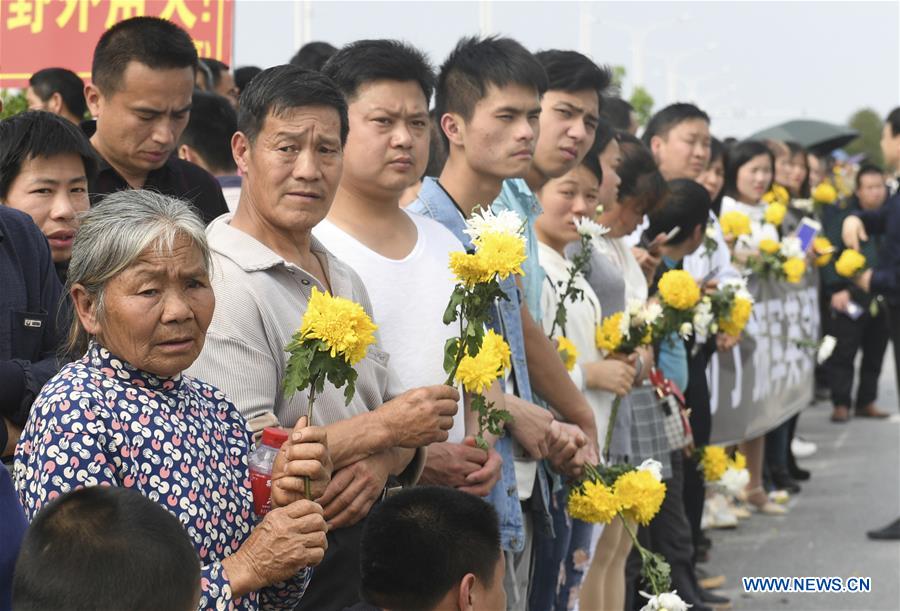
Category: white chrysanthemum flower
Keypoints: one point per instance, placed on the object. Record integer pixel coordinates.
(792, 247)
(736, 284)
(652, 312)
(685, 330)
(587, 227)
(711, 231)
(625, 324)
(826, 348)
(652, 466)
(734, 480)
(667, 601)
(483, 220)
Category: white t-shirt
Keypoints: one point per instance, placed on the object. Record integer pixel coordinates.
(408, 298)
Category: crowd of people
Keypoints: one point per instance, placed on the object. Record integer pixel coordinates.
(158, 258)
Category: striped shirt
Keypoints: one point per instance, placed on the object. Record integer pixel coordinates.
(260, 302)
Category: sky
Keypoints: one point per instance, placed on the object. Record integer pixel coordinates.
(750, 65)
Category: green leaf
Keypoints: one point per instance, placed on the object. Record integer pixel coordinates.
(451, 347)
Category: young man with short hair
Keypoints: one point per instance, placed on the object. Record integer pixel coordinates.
(206, 142)
(678, 136)
(488, 104)
(143, 79)
(59, 91)
(430, 549)
(570, 110)
(402, 257)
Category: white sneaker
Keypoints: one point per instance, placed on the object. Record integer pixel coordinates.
(802, 448)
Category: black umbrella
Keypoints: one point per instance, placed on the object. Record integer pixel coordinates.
(819, 137)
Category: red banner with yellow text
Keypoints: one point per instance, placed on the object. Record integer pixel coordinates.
(36, 34)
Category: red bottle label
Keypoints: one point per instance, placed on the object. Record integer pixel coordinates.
(261, 485)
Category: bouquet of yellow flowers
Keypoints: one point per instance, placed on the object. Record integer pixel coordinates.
(728, 473)
(784, 260)
(335, 335)
(622, 333)
(734, 224)
(679, 294)
(631, 494)
(732, 305)
(476, 358)
(777, 195)
(850, 264)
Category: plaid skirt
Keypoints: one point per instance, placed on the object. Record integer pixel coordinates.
(648, 433)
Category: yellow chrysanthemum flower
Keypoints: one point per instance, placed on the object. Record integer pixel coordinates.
(850, 263)
(476, 373)
(341, 324)
(493, 346)
(609, 333)
(824, 250)
(735, 224)
(567, 351)
(678, 289)
(739, 461)
(825, 193)
(596, 504)
(640, 495)
(714, 463)
(738, 317)
(794, 268)
(777, 195)
(769, 246)
(774, 213)
(501, 253)
(469, 269)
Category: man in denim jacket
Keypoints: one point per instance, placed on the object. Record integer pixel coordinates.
(488, 104)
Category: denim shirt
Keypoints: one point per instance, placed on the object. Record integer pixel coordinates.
(434, 203)
(518, 197)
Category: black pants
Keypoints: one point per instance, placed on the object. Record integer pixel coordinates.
(335, 583)
(669, 534)
(893, 316)
(868, 333)
(697, 398)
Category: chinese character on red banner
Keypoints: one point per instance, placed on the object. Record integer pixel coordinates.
(36, 34)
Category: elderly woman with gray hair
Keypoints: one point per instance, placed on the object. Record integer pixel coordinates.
(124, 415)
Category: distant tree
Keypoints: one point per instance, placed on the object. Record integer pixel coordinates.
(642, 102)
(13, 103)
(867, 122)
(640, 99)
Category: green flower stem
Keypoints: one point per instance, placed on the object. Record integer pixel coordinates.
(646, 557)
(613, 414)
(578, 263)
(309, 420)
(460, 351)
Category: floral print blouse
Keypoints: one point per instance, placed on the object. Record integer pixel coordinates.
(178, 441)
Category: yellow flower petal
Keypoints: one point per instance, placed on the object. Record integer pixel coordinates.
(678, 289)
(342, 325)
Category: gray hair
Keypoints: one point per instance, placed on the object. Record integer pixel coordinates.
(113, 235)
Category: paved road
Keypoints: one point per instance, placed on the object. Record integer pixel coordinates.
(855, 487)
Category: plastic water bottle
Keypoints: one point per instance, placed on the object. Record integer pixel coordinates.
(261, 460)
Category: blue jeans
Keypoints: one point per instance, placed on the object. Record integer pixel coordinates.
(559, 561)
